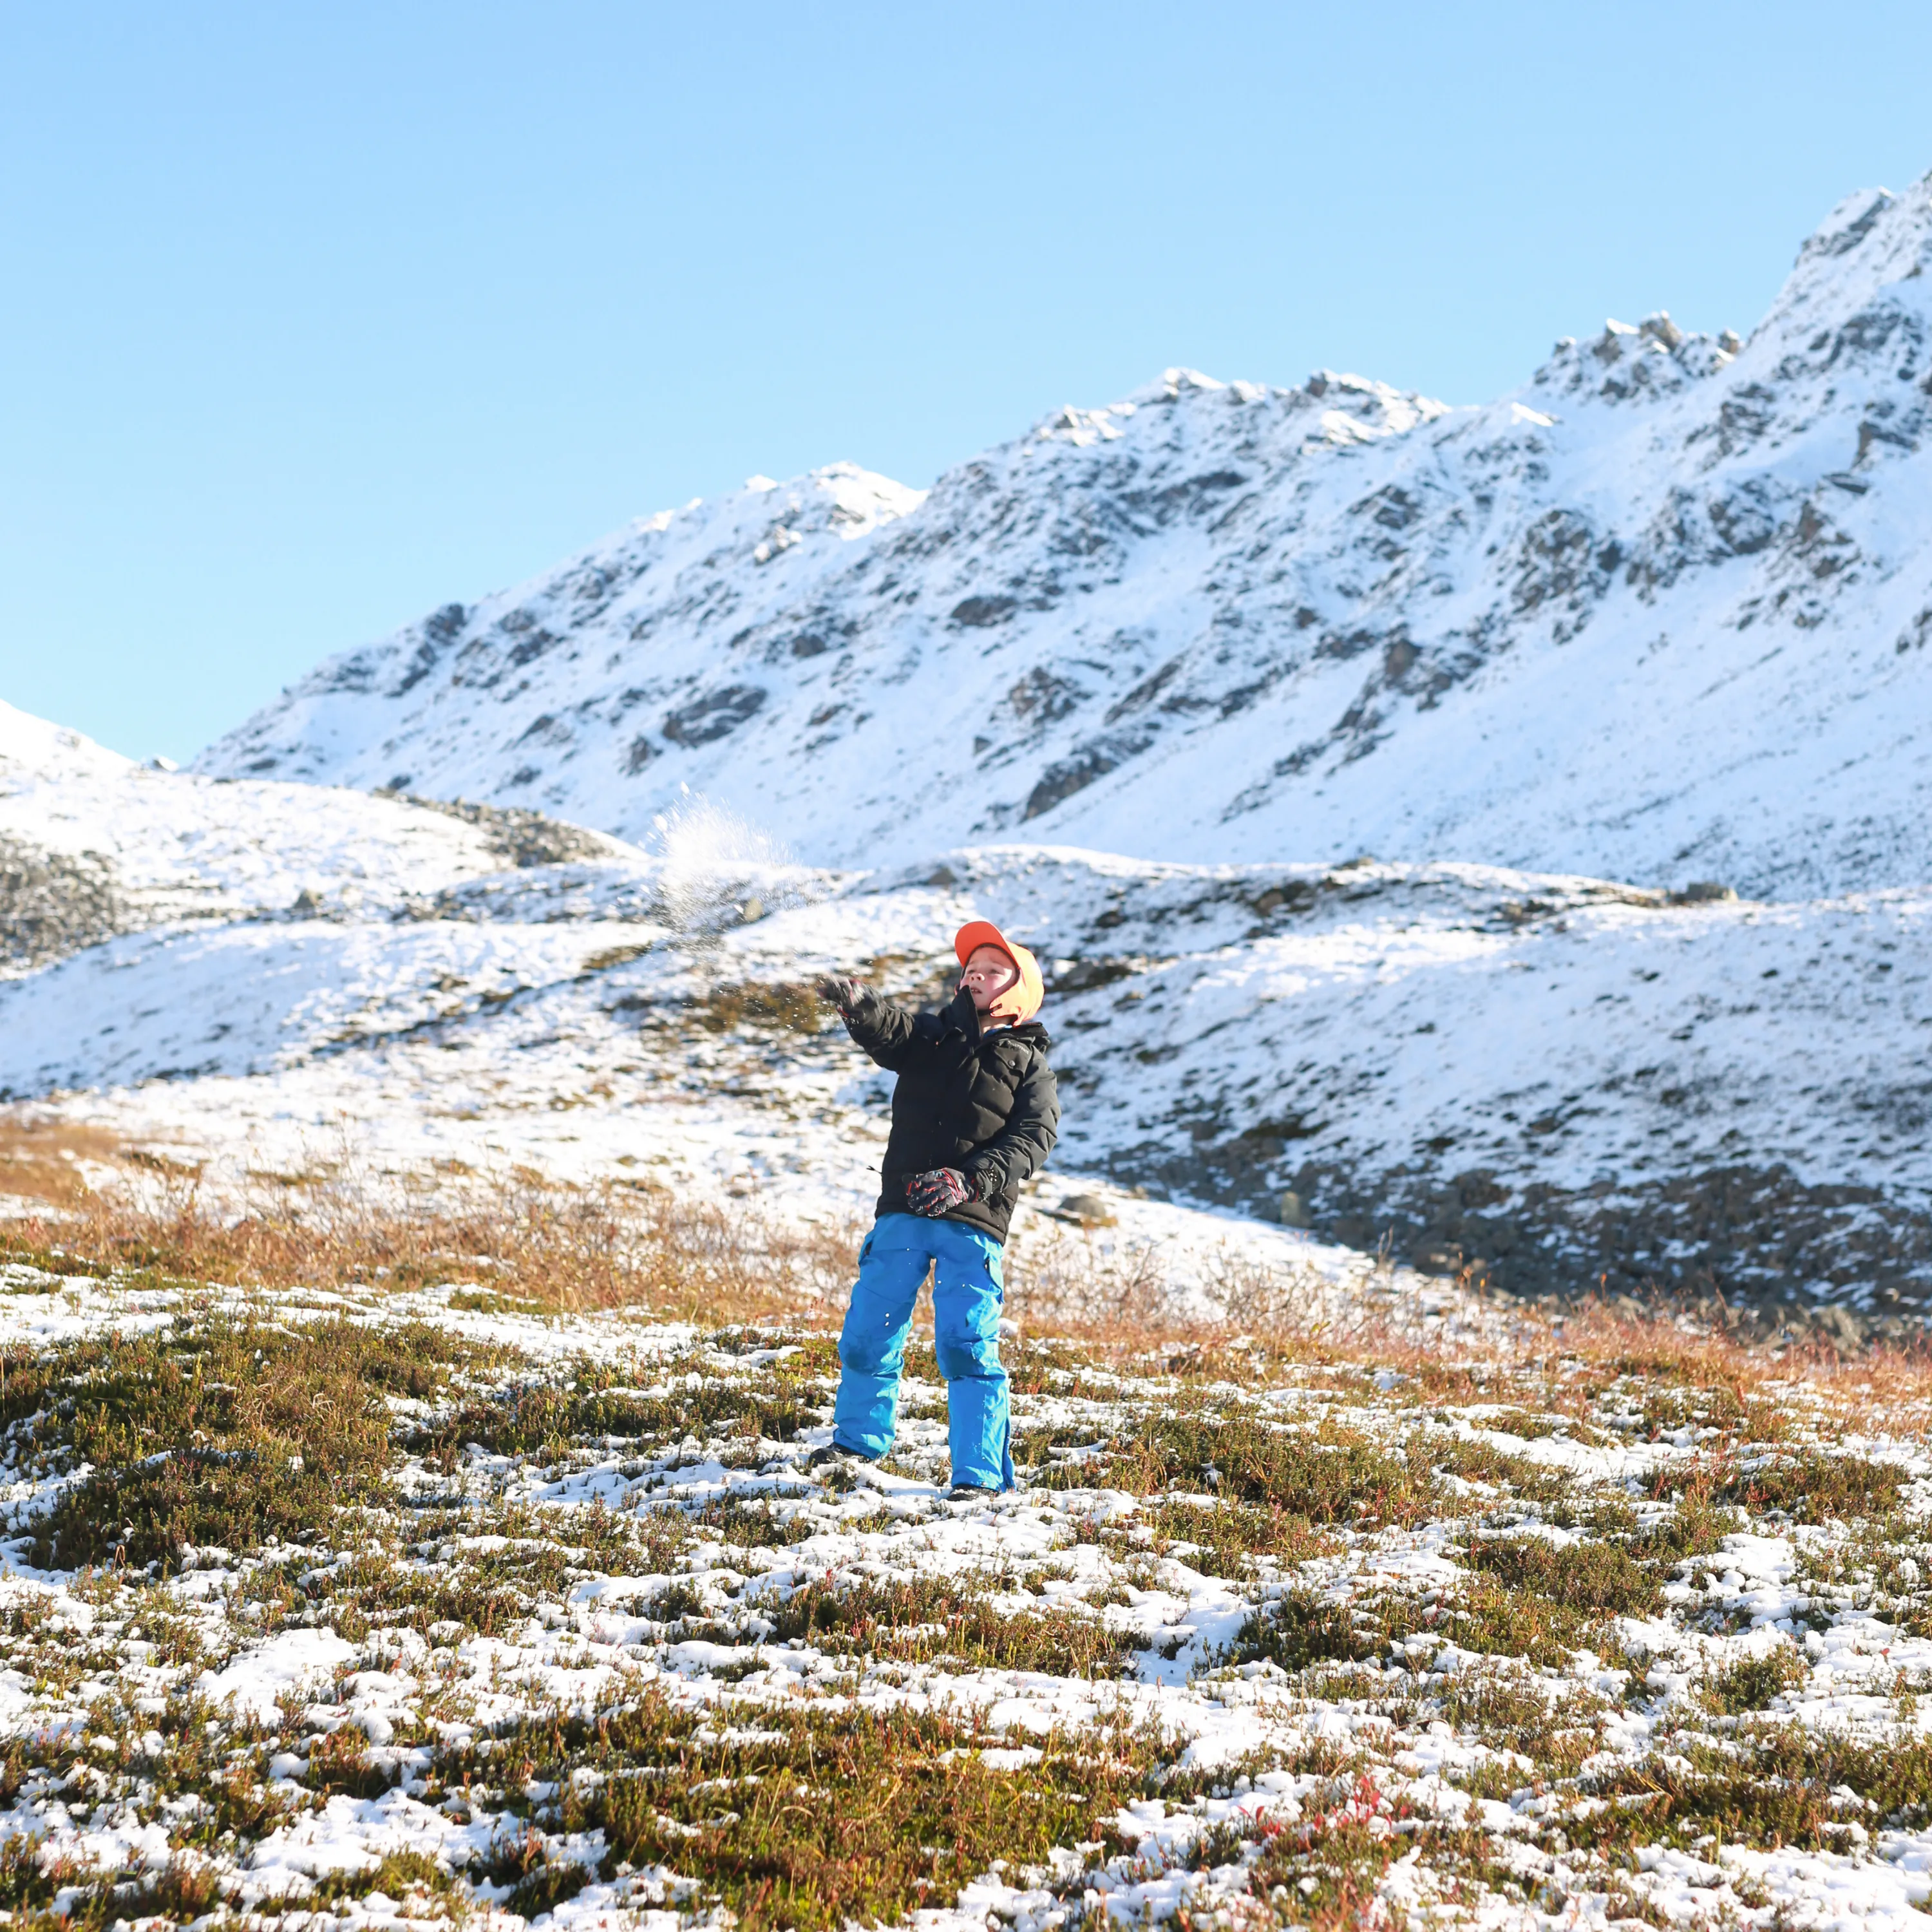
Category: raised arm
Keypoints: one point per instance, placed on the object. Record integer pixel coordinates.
(1019, 1150)
(881, 1026)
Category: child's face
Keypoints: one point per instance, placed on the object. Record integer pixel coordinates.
(989, 973)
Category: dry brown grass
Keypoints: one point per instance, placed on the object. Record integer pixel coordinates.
(1888, 1385)
(520, 1234)
(1563, 1358)
(536, 1239)
(47, 1160)
(1072, 1282)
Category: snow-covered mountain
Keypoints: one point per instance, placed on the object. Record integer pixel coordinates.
(1147, 685)
(1662, 614)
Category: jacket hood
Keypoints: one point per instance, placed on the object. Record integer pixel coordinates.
(1021, 1001)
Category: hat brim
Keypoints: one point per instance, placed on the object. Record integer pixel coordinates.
(978, 932)
(1021, 1001)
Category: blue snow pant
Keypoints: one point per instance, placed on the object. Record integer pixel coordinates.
(967, 1293)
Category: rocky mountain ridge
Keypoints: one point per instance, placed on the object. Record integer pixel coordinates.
(1660, 615)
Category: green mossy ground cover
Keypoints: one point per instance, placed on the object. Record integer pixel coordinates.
(228, 1431)
(649, 1652)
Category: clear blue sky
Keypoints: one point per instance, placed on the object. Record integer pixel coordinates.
(316, 317)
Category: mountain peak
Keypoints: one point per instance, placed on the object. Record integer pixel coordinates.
(1864, 253)
(1849, 224)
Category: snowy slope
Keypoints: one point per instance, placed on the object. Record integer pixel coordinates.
(276, 978)
(1661, 615)
(1563, 1079)
(92, 844)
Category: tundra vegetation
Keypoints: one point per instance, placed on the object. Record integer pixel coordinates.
(371, 1570)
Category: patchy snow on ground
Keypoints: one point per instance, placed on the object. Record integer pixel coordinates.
(364, 1610)
(589, 1643)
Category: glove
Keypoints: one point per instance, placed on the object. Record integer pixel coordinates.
(934, 1192)
(843, 994)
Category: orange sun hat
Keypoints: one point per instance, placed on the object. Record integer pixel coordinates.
(1020, 1002)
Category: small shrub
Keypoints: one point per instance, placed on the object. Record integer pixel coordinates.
(1480, 1462)
(1299, 1630)
(1812, 1487)
(1696, 1527)
(339, 1763)
(399, 1873)
(549, 1886)
(1325, 1476)
(924, 1617)
(1582, 1575)
(1753, 1683)
(863, 1817)
(1224, 1539)
(546, 1417)
(215, 1432)
(23, 1882)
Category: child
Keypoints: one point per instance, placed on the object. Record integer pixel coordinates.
(975, 1112)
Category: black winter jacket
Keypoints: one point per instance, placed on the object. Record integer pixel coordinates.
(983, 1102)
